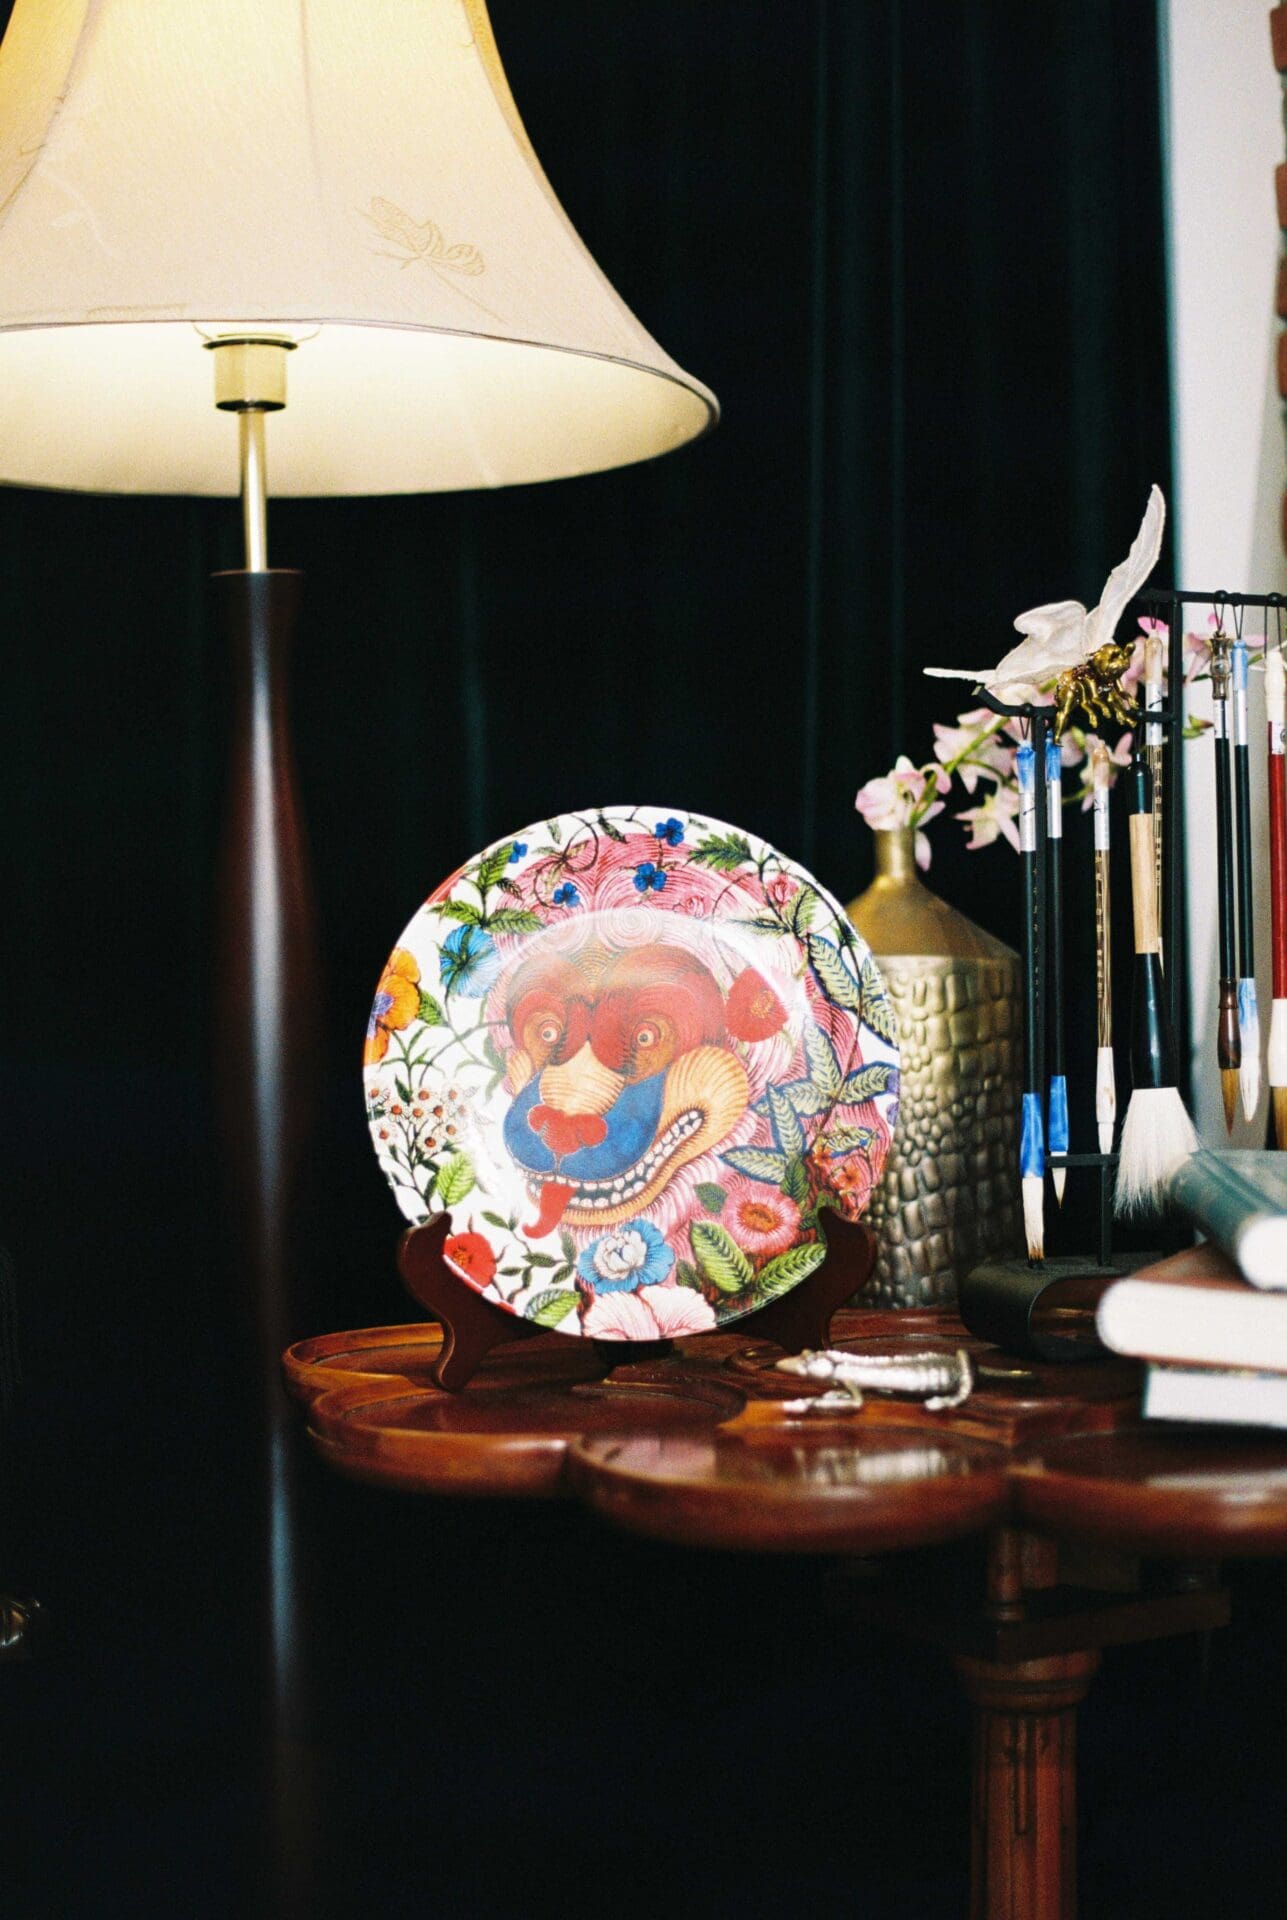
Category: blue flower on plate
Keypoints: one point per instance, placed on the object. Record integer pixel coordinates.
(566, 895)
(517, 851)
(647, 875)
(671, 831)
(468, 962)
(626, 1257)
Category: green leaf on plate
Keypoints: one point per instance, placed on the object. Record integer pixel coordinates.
(430, 1011)
(610, 828)
(758, 1163)
(455, 1179)
(493, 867)
(514, 920)
(803, 908)
(824, 1067)
(720, 1258)
(463, 910)
(686, 1275)
(551, 1306)
(711, 1196)
(864, 1083)
(795, 1182)
(834, 976)
(787, 1270)
(877, 1009)
(786, 1122)
(723, 851)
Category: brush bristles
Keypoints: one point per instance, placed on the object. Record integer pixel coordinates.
(1249, 1071)
(1228, 1095)
(1034, 1216)
(1249, 1046)
(1157, 1137)
(1278, 1045)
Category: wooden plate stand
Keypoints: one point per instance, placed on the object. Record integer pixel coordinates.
(472, 1326)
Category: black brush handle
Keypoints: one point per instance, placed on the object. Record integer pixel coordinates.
(1224, 844)
(1246, 908)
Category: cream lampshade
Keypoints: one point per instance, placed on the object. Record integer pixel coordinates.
(351, 175)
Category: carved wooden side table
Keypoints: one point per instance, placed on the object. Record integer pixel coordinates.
(1038, 1497)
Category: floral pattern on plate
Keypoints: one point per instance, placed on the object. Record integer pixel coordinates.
(633, 1055)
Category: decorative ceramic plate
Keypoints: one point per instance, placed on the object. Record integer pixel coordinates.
(632, 1054)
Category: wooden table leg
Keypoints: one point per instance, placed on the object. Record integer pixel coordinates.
(1024, 1839)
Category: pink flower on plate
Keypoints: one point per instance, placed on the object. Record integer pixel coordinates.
(781, 888)
(760, 1218)
(653, 1313)
(994, 819)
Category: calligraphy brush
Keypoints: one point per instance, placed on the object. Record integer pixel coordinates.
(1276, 712)
(1248, 1013)
(1032, 1146)
(1228, 1038)
(1158, 1133)
(1105, 1073)
(1057, 1108)
(1153, 748)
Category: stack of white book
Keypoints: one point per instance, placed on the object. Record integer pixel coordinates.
(1212, 1323)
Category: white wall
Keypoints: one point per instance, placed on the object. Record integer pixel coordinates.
(1224, 137)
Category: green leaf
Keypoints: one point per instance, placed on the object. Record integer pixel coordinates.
(463, 910)
(711, 1196)
(787, 1130)
(455, 1179)
(607, 826)
(803, 908)
(787, 1270)
(404, 1092)
(758, 1163)
(764, 923)
(493, 867)
(723, 851)
(834, 976)
(850, 1139)
(686, 1275)
(542, 1260)
(824, 1067)
(866, 1082)
(492, 1053)
(494, 1220)
(511, 887)
(551, 1306)
(430, 1012)
(568, 1245)
(514, 920)
(720, 1258)
(555, 832)
(877, 1010)
(807, 1097)
(795, 1182)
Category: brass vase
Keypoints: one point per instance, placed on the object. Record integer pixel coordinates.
(950, 1197)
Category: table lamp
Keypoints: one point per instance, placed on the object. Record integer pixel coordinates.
(205, 206)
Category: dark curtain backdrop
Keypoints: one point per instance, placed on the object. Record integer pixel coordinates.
(917, 252)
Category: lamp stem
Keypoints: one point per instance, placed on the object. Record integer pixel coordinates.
(254, 488)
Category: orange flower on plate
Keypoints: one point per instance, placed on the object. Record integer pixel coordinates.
(397, 1002)
(471, 1255)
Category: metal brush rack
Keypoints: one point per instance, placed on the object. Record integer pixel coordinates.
(1012, 1302)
